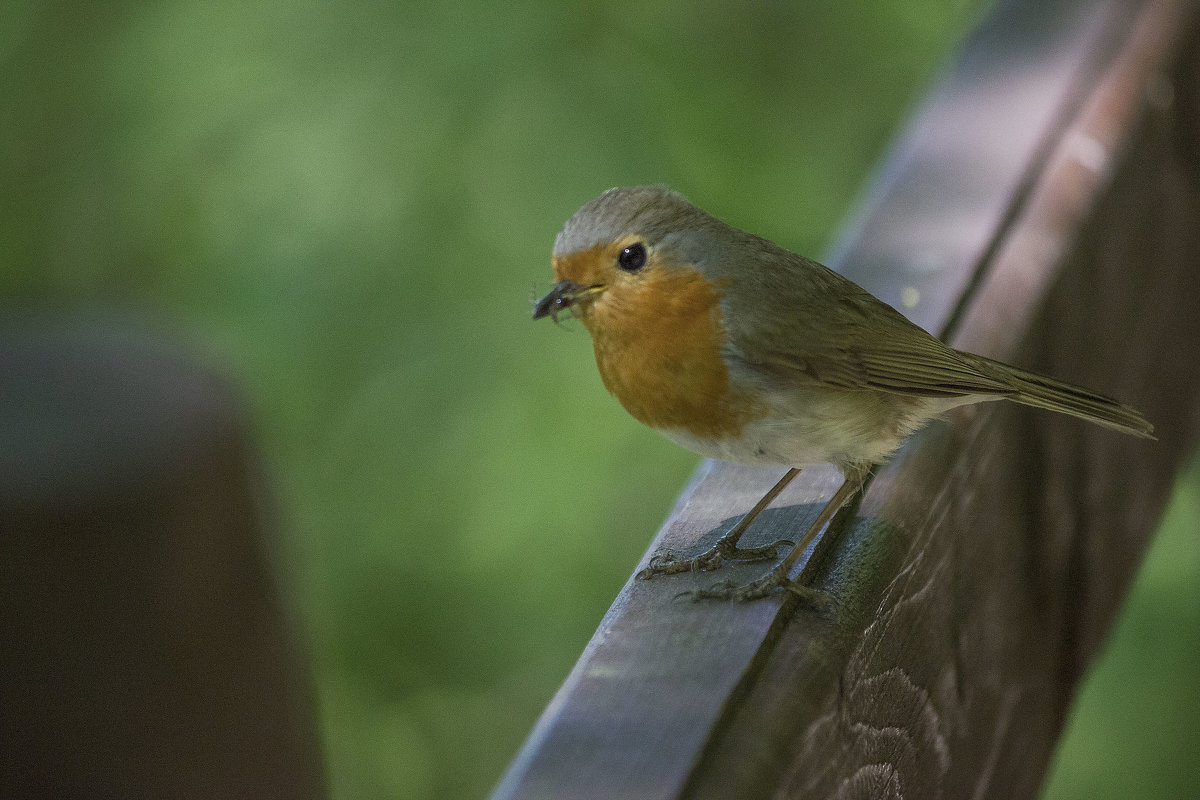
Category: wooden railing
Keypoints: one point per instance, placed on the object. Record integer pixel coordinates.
(1043, 208)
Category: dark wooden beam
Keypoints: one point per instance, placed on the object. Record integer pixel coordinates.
(145, 647)
(1041, 208)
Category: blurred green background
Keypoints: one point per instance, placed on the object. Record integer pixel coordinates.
(352, 206)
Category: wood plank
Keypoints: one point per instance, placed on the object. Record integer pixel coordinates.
(1039, 209)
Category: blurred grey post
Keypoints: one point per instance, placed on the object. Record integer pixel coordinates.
(144, 647)
(1042, 207)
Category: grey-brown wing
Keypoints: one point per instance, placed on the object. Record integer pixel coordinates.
(835, 333)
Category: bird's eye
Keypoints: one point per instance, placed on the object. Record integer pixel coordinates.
(632, 258)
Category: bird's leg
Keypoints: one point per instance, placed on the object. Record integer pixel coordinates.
(726, 548)
(779, 575)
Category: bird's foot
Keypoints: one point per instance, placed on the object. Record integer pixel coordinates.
(764, 586)
(666, 563)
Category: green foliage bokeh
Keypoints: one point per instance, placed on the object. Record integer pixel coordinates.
(351, 206)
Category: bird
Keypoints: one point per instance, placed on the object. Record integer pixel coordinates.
(738, 349)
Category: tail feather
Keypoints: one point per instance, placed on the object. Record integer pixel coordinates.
(1042, 392)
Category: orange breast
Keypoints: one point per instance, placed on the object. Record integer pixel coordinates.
(658, 347)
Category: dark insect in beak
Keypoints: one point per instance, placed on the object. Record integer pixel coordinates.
(559, 299)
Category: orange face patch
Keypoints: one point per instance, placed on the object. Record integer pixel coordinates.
(658, 335)
(590, 267)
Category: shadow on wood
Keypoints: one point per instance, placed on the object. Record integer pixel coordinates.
(1040, 209)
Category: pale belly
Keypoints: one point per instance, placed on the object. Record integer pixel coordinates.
(846, 429)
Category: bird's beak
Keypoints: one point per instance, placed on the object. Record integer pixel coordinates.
(564, 295)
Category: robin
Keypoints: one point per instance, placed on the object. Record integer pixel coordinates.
(740, 350)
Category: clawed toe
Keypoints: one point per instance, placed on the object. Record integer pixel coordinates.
(764, 586)
(764, 553)
(667, 563)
